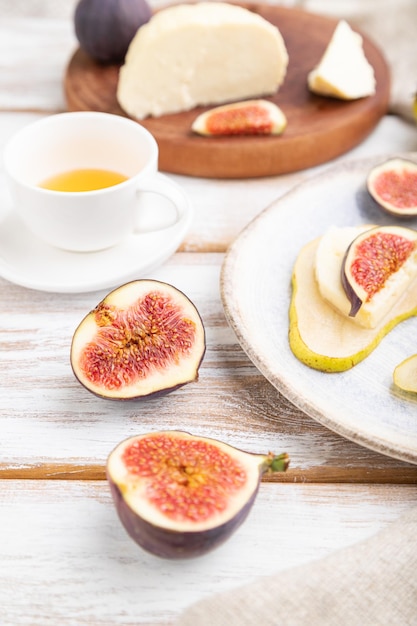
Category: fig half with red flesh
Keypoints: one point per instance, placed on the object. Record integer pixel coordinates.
(393, 185)
(179, 495)
(145, 338)
(248, 117)
(381, 260)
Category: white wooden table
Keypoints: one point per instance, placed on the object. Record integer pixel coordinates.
(64, 557)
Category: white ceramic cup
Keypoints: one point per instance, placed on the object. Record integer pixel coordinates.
(85, 221)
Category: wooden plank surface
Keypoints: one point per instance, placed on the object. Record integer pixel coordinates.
(68, 432)
(319, 128)
(66, 559)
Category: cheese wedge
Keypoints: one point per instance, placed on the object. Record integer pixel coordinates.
(343, 71)
(320, 336)
(200, 54)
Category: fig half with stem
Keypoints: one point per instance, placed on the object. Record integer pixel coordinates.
(180, 495)
(379, 265)
(393, 185)
(144, 338)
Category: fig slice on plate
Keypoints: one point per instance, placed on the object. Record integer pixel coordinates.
(320, 335)
(144, 338)
(179, 495)
(248, 117)
(393, 185)
(405, 374)
(379, 265)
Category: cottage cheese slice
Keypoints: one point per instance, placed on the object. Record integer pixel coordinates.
(328, 264)
(343, 71)
(198, 54)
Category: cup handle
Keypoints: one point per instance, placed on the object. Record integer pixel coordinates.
(170, 208)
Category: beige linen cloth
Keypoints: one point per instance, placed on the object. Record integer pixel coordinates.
(374, 582)
(392, 25)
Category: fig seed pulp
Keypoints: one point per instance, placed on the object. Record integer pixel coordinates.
(371, 259)
(398, 189)
(238, 121)
(193, 479)
(248, 117)
(145, 337)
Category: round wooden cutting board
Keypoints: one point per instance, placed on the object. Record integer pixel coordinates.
(318, 130)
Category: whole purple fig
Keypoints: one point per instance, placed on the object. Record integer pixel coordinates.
(105, 28)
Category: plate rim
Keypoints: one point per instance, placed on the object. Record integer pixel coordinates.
(232, 314)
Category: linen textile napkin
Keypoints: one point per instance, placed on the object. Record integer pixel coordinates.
(372, 583)
(393, 28)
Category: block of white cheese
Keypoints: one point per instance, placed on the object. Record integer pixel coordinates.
(343, 71)
(200, 54)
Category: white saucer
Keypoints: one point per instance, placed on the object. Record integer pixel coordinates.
(27, 261)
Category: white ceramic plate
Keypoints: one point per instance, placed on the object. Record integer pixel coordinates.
(362, 403)
(27, 261)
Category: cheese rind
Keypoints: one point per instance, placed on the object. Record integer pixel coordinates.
(200, 54)
(343, 71)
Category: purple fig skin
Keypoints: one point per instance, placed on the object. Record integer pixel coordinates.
(169, 544)
(355, 301)
(105, 28)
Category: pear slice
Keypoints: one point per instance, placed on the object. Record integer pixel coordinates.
(405, 374)
(323, 338)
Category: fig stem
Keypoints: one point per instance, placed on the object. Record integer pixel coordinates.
(275, 463)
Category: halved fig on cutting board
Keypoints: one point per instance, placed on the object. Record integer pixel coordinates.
(393, 184)
(144, 338)
(180, 495)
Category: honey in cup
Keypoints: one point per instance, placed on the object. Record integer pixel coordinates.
(87, 179)
(112, 211)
